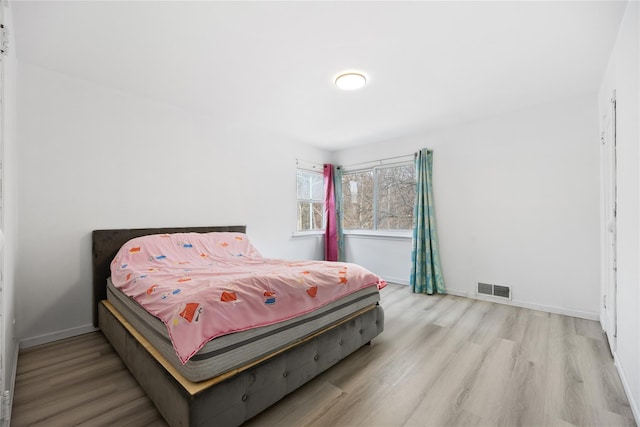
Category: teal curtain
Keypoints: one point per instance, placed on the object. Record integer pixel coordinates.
(426, 273)
(337, 184)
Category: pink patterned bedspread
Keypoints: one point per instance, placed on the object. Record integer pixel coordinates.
(204, 285)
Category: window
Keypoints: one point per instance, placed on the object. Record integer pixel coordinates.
(310, 200)
(380, 198)
(357, 200)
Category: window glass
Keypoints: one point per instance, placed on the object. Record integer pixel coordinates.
(380, 198)
(310, 200)
(396, 192)
(357, 200)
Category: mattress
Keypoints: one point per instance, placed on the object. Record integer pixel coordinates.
(235, 350)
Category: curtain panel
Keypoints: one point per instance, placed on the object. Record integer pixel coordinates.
(426, 272)
(337, 187)
(330, 230)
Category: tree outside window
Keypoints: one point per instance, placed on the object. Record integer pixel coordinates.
(357, 200)
(310, 196)
(381, 198)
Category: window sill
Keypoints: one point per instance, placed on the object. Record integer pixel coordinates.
(314, 233)
(380, 234)
(367, 234)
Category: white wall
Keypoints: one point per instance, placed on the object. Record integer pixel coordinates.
(10, 210)
(387, 256)
(93, 158)
(516, 204)
(623, 73)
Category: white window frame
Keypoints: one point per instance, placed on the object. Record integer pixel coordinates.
(375, 231)
(314, 171)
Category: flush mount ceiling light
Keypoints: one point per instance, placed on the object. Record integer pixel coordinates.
(351, 81)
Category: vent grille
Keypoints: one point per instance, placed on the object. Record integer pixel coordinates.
(499, 291)
(502, 291)
(485, 288)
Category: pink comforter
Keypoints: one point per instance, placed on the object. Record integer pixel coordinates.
(206, 285)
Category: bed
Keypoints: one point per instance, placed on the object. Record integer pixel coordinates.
(252, 372)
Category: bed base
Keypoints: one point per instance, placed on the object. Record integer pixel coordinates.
(231, 399)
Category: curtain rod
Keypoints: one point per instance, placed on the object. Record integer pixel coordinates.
(306, 164)
(406, 157)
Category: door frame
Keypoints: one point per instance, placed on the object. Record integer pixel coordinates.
(608, 157)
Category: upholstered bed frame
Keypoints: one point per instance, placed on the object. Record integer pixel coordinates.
(234, 397)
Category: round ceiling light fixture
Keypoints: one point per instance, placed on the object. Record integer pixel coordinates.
(351, 81)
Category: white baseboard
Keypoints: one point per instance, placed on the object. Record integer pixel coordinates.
(625, 384)
(406, 283)
(457, 293)
(517, 303)
(532, 306)
(55, 336)
(395, 280)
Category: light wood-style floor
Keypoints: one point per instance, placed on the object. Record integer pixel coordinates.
(441, 361)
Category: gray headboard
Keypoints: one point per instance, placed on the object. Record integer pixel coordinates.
(106, 243)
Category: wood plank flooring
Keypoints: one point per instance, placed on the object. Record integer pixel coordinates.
(441, 361)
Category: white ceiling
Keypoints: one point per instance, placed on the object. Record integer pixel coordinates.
(270, 66)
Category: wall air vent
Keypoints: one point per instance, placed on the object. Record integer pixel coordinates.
(499, 291)
(502, 291)
(485, 288)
